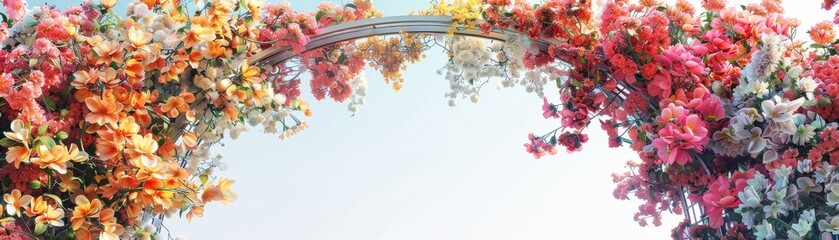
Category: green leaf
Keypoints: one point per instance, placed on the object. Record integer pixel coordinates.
(49, 103)
(43, 129)
(6, 142)
(816, 45)
(339, 18)
(66, 93)
(6, 219)
(661, 9)
(45, 141)
(319, 15)
(64, 113)
(61, 135)
(203, 178)
(40, 228)
(353, 6)
(32, 62)
(35, 185)
(342, 58)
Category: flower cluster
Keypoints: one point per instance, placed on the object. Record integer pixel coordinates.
(108, 120)
(723, 107)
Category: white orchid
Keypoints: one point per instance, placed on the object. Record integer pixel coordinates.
(780, 112)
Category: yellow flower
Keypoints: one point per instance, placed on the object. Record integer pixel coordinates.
(14, 201)
(138, 37)
(19, 133)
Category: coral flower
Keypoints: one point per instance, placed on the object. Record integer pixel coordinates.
(14, 201)
(823, 33)
(103, 111)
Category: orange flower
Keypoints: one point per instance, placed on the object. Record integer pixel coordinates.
(108, 4)
(106, 51)
(220, 192)
(110, 229)
(178, 104)
(823, 33)
(216, 49)
(201, 30)
(142, 151)
(14, 201)
(250, 73)
(138, 36)
(67, 183)
(109, 77)
(135, 71)
(103, 111)
(230, 112)
(84, 209)
(189, 140)
(108, 149)
(83, 79)
(57, 157)
(17, 155)
(45, 213)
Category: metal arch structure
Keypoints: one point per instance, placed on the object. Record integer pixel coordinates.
(427, 25)
(385, 26)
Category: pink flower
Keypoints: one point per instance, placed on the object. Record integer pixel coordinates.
(722, 194)
(711, 108)
(676, 138)
(538, 147)
(15, 8)
(718, 198)
(550, 110)
(671, 113)
(661, 85)
(668, 150)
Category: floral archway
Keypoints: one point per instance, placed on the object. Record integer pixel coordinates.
(107, 118)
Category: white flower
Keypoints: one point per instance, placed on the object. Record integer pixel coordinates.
(808, 85)
(764, 231)
(760, 88)
(803, 134)
(780, 113)
(756, 142)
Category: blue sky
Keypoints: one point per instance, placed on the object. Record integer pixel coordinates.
(408, 166)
